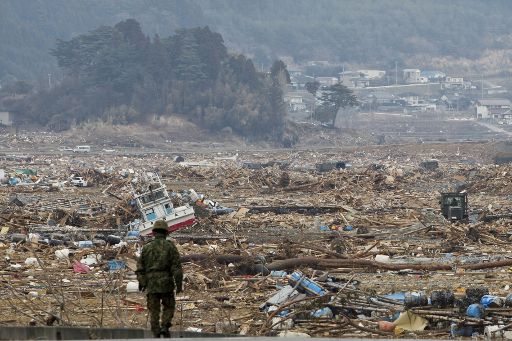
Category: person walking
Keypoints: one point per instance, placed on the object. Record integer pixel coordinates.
(159, 273)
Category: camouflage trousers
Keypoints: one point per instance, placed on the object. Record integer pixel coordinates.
(155, 301)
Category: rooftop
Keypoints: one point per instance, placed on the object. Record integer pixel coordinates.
(494, 101)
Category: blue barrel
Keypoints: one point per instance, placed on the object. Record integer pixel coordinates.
(324, 312)
(133, 233)
(284, 313)
(278, 273)
(306, 284)
(475, 310)
(490, 301)
(114, 265)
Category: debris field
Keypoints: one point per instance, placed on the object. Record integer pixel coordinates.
(334, 242)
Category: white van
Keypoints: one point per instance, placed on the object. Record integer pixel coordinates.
(78, 182)
(82, 149)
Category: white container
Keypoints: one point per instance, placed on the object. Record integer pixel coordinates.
(62, 254)
(33, 238)
(193, 195)
(91, 259)
(132, 286)
(31, 261)
(382, 258)
(488, 332)
(280, 323)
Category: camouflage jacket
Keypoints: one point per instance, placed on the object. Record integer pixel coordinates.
(159, 266)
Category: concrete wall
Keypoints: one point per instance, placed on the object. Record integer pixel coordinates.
(84, 333)
(70, 333)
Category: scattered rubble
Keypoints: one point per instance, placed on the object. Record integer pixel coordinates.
(278, 246)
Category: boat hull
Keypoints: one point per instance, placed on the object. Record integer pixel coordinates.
(180, 218)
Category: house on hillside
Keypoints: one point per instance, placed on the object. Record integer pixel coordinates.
(382, 101)
(410, 99)
(295, 103)
(327, 81)
(371, 74)
(348, 78)
(360, 78)
(415, 103)
(455, 83)
(413, 76)
(299, 80)
(6, 118)
(300, 104)
(318, 63)
(433, 75)
(494, 108)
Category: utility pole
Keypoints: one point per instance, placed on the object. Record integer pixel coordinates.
(314, 102)
(396, 72)
(482, 86)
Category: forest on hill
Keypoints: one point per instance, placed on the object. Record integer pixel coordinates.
(117, 74)
(358, 31)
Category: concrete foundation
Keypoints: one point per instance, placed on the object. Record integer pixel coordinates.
(84, 333)
(70, 333)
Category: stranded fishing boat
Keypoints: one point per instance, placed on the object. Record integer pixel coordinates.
(154, 203)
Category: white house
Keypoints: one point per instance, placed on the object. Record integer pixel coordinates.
(327, 81)
(371, 74)
(6, 118)
(359, 78)
(495, 108)
(296, 103)
(412, 76)
(455, 83)
(411, 99)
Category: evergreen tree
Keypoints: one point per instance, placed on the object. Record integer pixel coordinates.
(279, 73)
(312, 87)
(119, 75)
(333, 98)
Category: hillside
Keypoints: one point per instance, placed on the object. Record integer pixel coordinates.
(376, 33)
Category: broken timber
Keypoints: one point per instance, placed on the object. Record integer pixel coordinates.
(307, 210)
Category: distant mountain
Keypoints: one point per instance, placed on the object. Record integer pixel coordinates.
(357, 31)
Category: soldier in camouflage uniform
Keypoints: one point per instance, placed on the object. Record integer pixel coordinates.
(159, 273)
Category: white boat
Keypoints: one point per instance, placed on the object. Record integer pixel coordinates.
(154, 203)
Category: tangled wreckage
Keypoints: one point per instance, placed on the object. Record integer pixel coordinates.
(371, 250)
(154, 203)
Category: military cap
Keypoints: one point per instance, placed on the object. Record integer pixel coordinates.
(160, 226)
